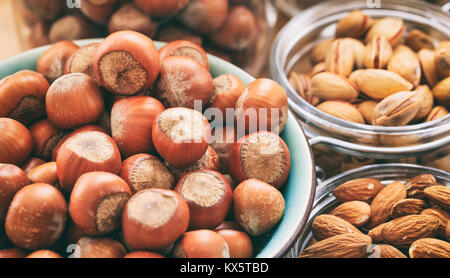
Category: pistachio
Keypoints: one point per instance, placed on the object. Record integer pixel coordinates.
(436, 113)
(354, 25)
(378, 83)
(343, 110)
(318, 68)
(397, 109)
(320, 51)
(340, 59)
(426, 102)
(329, 86)
(378, 53)
(301, 84)
(392, 28)
(367, 108)
(427, 62)
(443, 44)
(418, 40)
(442, 60)
(406, 64)
(442, 92)
(358, 51)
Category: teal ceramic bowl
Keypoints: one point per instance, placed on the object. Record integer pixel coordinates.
(299, 189)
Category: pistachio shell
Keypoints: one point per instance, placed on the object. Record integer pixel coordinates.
(377, 53)
(427, 62)
(442, 92)
(358, 51)
(406, 64)
(442, 60)
(378, 83)
(392, 28)
(320, 51)
(436, 113)
(354, 25)
(343, 110)
(397, 109)
(418, 40)
(340, 58)
(329, 86)
(367, 108)
(301, 84)
(426, 102)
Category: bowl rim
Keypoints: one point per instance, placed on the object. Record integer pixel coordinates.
(215, 64)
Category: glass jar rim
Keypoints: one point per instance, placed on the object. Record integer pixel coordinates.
(290, 35)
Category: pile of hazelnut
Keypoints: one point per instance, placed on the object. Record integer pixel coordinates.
(92, 166)
(376, 72)
(227, 28)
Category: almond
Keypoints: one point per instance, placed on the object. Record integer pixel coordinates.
(439, 195)
(384, 201)
(363, 189)
(407, 207)
(429, 248)
(440, 214)
(326, 225)
(386, 251)
(447, 231)
(376, 233)
(351, 245)
(403, 231)
(416, 185)
(356, 213)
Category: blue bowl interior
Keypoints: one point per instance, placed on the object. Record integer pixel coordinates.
(299, 189)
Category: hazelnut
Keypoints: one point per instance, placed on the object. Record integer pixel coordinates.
(204, 16)
(16, 142)
(157, 8)
(74, 100)
(258, 206)
(44, 254)
(237, 31)
(12, 178)
(36, 217)
(262, 155)
(91, 248)
(98, 11)
(81, 61)
(185, 49)
(126, 63)
(208, 195)
(22, 96)
(143, 255)
(143, 171)
(209, 161)
(129, 17)
(182, 81)
(222, 141)
(239, 243)
(154, 219)
(181, 135)
(45, 173)
(51, 63)
(227, 88)
(201, 244)
(85, 152)
(69, 28)
(97, 201)
(131, 124)
(45, 137)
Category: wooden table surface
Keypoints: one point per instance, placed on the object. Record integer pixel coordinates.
(9, 39)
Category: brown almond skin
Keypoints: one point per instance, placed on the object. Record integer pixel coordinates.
(363, 189)
(439, 195)
(416, 185)
(356, 213)
(429, 248)
(407, 207)
(442, 215)
(386, 251)
(351, 245)
(376, 234)
(402, 232)
(326, 225)
(384, 201)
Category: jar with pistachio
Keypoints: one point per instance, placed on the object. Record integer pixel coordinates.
(377, 72)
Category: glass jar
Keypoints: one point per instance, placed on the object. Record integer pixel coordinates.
(41, 22)
(325, 200)
(337, 137)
